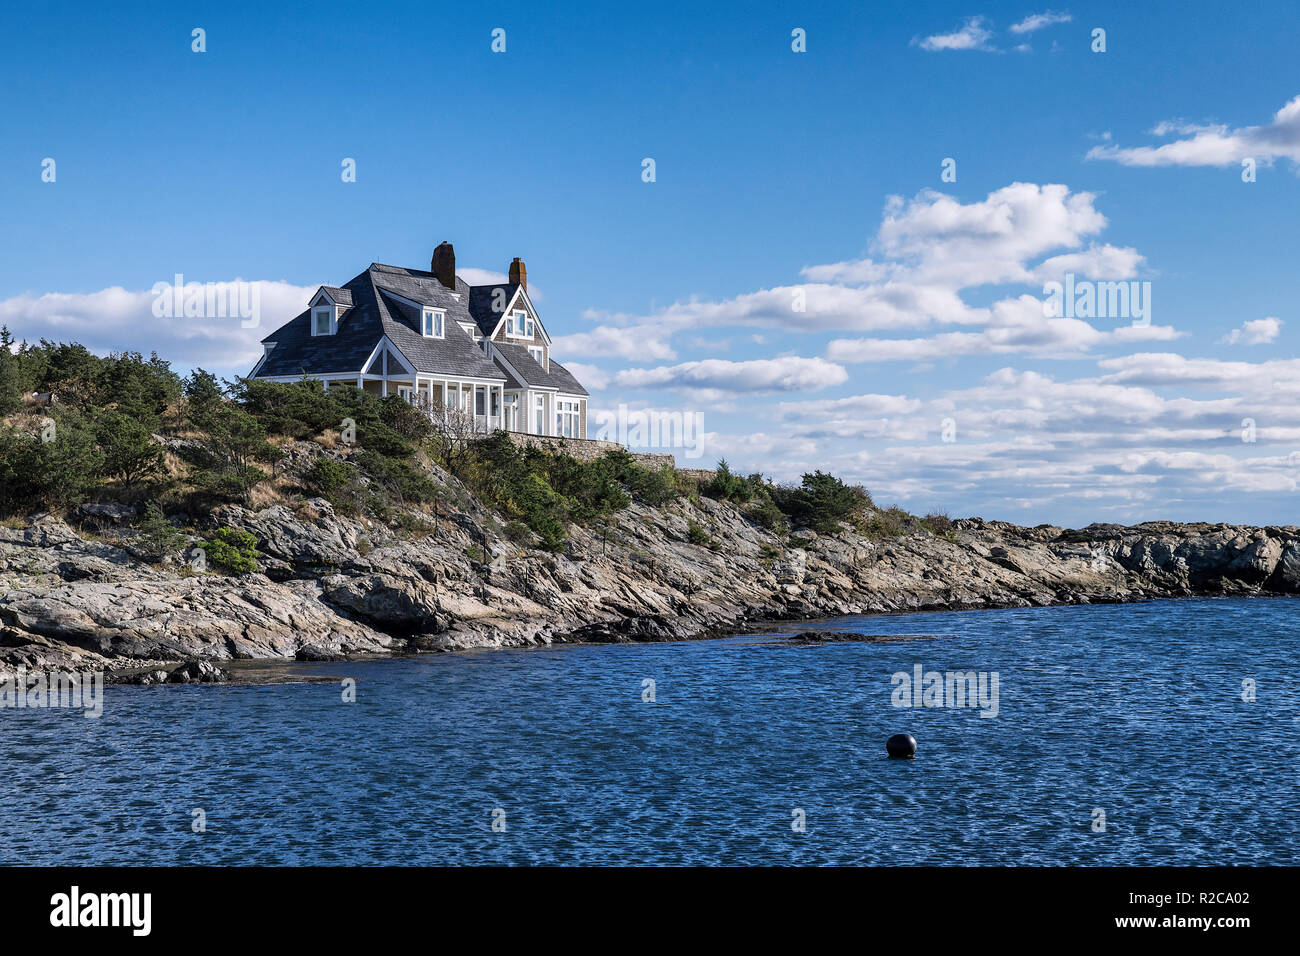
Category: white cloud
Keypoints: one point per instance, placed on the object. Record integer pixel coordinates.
(491, 277)
(1014, 326)
(1275, 379)
(633, 342)
(117, 320)
(1215, 145)
(1254, 332)
(852, 405)
(1130, 444)
(719, 377)
(594, 378)
(486, 277)
(1095, 262)
(1037, 21)
(972, 35)
(928, 252)
(942, 240)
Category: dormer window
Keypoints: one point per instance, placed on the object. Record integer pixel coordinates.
(519, 325)
(538, 355)
(432, 323)
(322, 320)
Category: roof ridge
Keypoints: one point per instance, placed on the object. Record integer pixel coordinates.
(406, 269)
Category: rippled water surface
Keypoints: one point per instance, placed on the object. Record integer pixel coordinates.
(1133, 709)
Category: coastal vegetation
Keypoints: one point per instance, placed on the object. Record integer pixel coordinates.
(79, 429)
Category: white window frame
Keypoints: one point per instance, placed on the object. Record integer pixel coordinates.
(519, 325)
(567, 418)
(316, 313)
(433, 323)
(539, 354)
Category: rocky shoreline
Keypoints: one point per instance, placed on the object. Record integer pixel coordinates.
(334, 588)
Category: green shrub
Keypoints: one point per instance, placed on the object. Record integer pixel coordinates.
(654, 486)
(547, 490)
(233, 550)
(889, 523)
(11, 375)
(50, 474)
(203, 396)
(327, 476)
(296, 409)
(938, 524)
(821, 502)
(158, 536)
(131, 456)
(764, 512)
(696, 534)
(725, 486)
(403, 480)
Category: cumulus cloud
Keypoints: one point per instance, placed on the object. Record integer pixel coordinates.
(1254, 332)
(1014, 326)
(633, 342)
(973, 34)
(1215, 144)
(927, 255)
(1152, 435)
(719, 376)
(594, 378)
(937, 238)
(117, 320)
(1037, 21)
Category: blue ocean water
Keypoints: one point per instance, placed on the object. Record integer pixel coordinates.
(1136, 710)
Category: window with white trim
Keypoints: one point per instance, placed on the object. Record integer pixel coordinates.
(322, 321)
(566, 418)
(519, 325)
(432, 323)
(538, 355)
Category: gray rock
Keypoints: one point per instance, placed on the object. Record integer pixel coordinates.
(112, 511)
(198, 672)
(68, 601)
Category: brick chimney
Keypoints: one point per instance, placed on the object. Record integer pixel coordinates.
(518, 274)
(444, 265)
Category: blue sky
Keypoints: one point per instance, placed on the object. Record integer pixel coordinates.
(771, 167)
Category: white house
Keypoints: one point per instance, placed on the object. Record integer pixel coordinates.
(436, 341)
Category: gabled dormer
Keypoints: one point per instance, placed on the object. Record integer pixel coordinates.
(433, 322)
(429, 320)
(327, 308)
(518, 323)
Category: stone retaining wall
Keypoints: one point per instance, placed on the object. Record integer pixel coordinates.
(586, 449)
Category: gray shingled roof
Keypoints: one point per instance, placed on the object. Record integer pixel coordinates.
(374, 314)
(565, 380)
(527, 367)
(511, 381)
(482, 298)
(298, 352)
(377, 310)
(454, 354)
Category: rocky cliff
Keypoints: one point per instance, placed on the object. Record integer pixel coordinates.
(335, 587)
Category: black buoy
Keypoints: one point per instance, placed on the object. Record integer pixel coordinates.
(901, 745)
